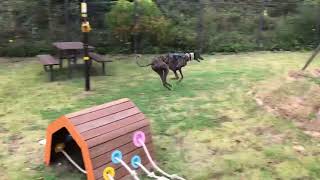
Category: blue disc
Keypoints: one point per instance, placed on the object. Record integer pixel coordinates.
(69, 138)
(116, 155)
(135, 160)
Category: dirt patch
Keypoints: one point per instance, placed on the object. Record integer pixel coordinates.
(297, 99)
(291, 107)
(14, 143)
(297, 74)
(3, 129)
(272, 135)
(304, 74)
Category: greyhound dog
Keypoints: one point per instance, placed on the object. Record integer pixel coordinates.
(173, 61)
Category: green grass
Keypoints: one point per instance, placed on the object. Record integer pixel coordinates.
(208, 127)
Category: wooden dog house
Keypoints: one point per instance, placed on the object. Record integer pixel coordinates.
(96, 132)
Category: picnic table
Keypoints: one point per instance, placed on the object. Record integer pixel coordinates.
(69, 51)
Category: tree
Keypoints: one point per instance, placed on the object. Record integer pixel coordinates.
(150, 22)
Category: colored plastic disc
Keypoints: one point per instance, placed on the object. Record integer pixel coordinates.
(116, 155)
(59, 147)
(110, 171)
(68, 138)
(135, 160)
(138, 137)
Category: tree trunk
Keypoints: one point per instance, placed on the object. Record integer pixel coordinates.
(50, 20)
(261, 24)
(200, 28)
(135, 33)
(66, 21)
(318, 25)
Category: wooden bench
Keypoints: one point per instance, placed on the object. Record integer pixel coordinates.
(48, 61)
(100, 59)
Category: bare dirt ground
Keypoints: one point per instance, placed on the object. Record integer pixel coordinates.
(295, 97)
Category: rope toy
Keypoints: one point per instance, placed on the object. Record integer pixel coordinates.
(109, 173)
(116, 158)
(59, 148)
(136, 163)
(139, 139)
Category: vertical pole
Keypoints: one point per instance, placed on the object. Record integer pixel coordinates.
(51, 72)
(85, 30)
(87, 62)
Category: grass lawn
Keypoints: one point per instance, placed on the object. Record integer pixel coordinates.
(208, 127)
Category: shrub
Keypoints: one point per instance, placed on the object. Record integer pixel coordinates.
(25, 49)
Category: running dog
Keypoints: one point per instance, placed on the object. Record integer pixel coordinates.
(173, 61)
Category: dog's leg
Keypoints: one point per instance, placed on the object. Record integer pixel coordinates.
(176, 75)
(165, 74)
(181, 75)
(164, 83)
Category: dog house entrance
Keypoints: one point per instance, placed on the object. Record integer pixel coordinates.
(63, 139)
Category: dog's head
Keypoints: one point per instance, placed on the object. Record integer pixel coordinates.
(194, 56)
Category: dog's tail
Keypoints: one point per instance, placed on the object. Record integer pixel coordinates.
(140, 65)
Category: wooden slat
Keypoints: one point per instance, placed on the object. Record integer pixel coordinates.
(126, 148)
(90, 116)
(114, 134)
(47, 60)
(117, 142)
(95, 108)
(107, 120)
(112, 126)
(126, 159)
(70, 45)
(98, 57)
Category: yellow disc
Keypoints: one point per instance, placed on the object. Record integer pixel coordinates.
(86, 58)
(59, 147)
(110, 171)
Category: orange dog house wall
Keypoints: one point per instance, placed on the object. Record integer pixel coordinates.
(95, 133)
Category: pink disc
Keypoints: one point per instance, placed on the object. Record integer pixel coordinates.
(138, 137)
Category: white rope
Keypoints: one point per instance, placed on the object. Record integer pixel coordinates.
(171, 176)
(110, 177)
(132, 172)
(72, 162)
(151, 174)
